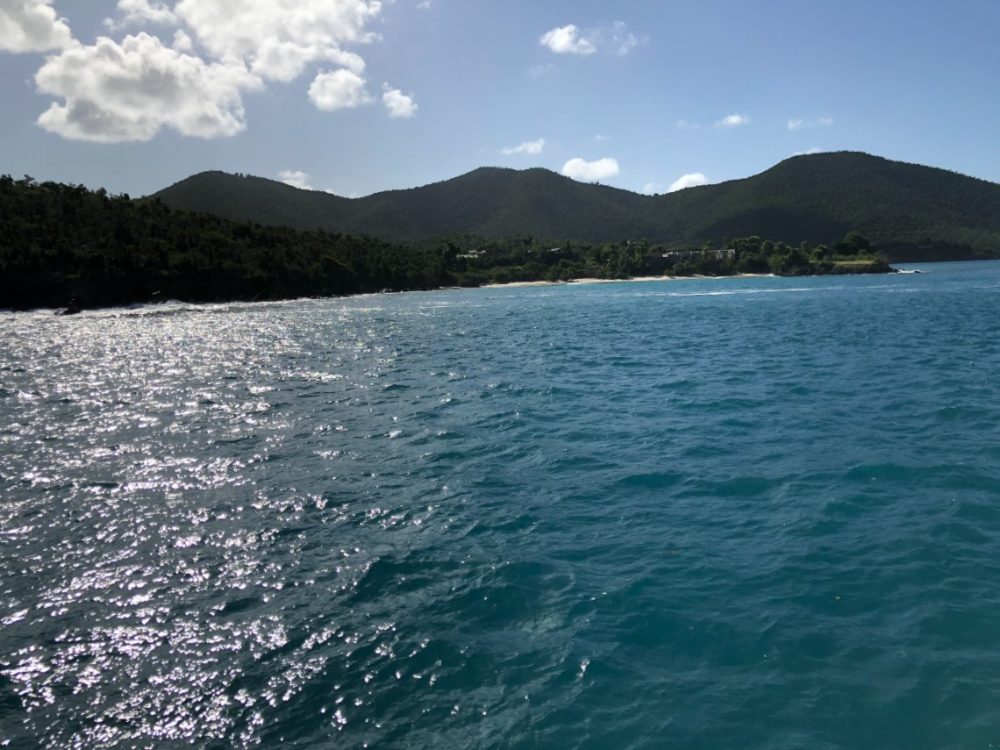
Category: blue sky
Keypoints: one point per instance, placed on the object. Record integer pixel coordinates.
(360, 96)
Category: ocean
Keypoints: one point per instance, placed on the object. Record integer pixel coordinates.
(730, 513)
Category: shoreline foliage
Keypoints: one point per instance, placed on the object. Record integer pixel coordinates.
(67, 246)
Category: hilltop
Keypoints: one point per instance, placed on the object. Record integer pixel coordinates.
(67, 246)
(911, 212)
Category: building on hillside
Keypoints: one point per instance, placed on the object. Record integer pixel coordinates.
(682, 255)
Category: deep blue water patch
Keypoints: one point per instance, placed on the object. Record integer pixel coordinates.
(758, 513)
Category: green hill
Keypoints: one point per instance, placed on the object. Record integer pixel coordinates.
(912, 212)
(67, 246)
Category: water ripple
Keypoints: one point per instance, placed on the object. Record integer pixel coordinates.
(625, 515)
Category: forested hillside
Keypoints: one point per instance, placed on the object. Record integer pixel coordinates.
(66, 246)
(912, 212)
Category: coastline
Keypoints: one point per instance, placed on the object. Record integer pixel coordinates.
(635, 279)
(63, 311)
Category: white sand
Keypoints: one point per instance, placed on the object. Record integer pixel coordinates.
(626, 281)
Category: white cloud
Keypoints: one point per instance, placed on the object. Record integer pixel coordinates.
(591, 171)
(733, 121)
(621, 40)
(566, 40)
(398, 104)
(279, 38)
(424, 5)
(652, 188)
(183, 42)
(799, 124)
(130, 91)
(601, 137)
(809, 152)
(295, 178)
(338, 89)
(32, 26)
(571, 40)
(685, 125)
(139, 11)
(532, 148)
(686, 181)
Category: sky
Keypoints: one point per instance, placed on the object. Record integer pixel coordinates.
(359, 96)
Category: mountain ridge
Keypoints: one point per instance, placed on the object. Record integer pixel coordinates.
(913, 211)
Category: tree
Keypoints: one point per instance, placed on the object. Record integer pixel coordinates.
(853, 244)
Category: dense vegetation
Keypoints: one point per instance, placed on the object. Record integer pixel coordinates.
(60, 243)
(508, 261)
(911, 212)
(64, 245)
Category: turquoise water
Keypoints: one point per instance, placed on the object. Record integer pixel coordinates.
(754, 513)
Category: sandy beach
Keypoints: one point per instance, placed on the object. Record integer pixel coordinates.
(635, 279)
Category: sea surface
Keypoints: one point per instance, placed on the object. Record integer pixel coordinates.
(733, 513)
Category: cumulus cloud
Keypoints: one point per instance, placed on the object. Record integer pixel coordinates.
(566, 40)
(572, 40)
(533, 148)
(689, 180)
(733, 121)
(800, 124)
(591, 171)
(182, 41)
(279, 38)
(652, 188)
(32, 26)
(295, 178)
(338, 89)
(398, 104)
(809, 152)
(130, 91)
(140, 11)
